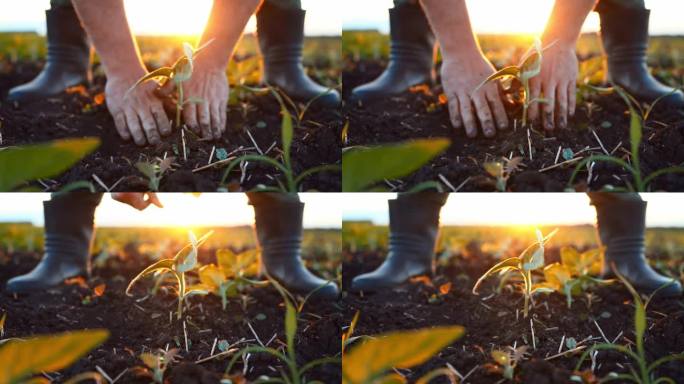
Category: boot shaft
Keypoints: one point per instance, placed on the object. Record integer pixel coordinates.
(624, 34)
(414, 226)
(67, 40)
(69, 224)
(280, 32)
(412, 39)
(278, 224)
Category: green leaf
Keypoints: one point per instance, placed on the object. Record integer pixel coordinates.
(363, 167)
(164, 72)
(20, 359)
(567, 153)
(146, 169)
(511, 71)
(188, 50)
(164, 264)
(531, 63)
(19, 165)
(287, 132)
(402, 349)
(290, 326)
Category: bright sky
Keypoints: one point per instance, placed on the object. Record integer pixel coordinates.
(159, 17)
(508, 16)
(516, 208)
(180, 209)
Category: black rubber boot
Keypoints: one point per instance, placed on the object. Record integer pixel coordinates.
(278, 219)
(624, 32)
(281, 39)
(621, 227)
(69, 231)
(411, 55)
(68, 58)
(414, 225)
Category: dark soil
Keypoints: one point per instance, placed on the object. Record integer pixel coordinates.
(418, 114)
(138, 326)
(496, 321)
(76, 114)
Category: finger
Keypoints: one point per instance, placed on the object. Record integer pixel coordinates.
(161, 119)
(216, 120)
(121, 127)
(535, 90)
(152, 198)
(454, 112)
(572, 99)
(497, 107)
(190, 117)
(562, 107)
(133, 124)
(549, 107)
(484, 114)
(149, 125)
(467, 115)
(204, 118)
(223, 110)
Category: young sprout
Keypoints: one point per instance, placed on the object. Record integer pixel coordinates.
(646, 372)
(184, 261)
(179, 73)
(507, 360)
(159, 362)
(532, 258)
(295, 374)
(529, 67)
(227, 278)
(636, 125)
(154, 171)
(573, 275)
(502, 171)
(292, 182)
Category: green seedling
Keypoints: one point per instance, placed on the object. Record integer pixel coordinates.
(502, 171)
(529, 67)
(154, 171)
(645, 373)
(370, 359)
(179, 73)
(573, 275)
(159, 362)
(291, 182)
(531, 259)
(20, 165)
(295, 374)
(507, 360)
(227, 278)
(638, 117)
(184, 261)
(22, 359)
(389, 161)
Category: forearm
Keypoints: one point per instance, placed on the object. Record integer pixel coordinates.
(107, 26)
(224, 28)
(451, 24)
(566, 20)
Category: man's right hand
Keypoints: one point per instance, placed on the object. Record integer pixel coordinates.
(137, 199)
(469, 104)
(137, 112)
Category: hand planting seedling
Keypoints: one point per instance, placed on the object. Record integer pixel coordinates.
(573, 275)
(636, 125)
(292, 182)
(645, 372)
(296, 374)
(227, 278)
(529, 67)
(179, 73)
(154, 171)
(184, 261)
(532, 258)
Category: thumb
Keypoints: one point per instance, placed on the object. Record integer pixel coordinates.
(153, 199)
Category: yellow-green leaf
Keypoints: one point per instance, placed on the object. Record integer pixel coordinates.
(363, 167)
(290, 325)
(31, 162)
(211, 276)
(501, 357)
(557, 275)
(370, 360)
(22, 359)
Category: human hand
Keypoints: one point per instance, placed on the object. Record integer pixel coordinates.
(137, 199)
(556, 84)
(208, 91)
(468, 103)
(137, 112)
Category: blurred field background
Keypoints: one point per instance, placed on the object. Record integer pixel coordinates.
(322, 55)
(321, 247)
(360, 236)
(666, 53)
